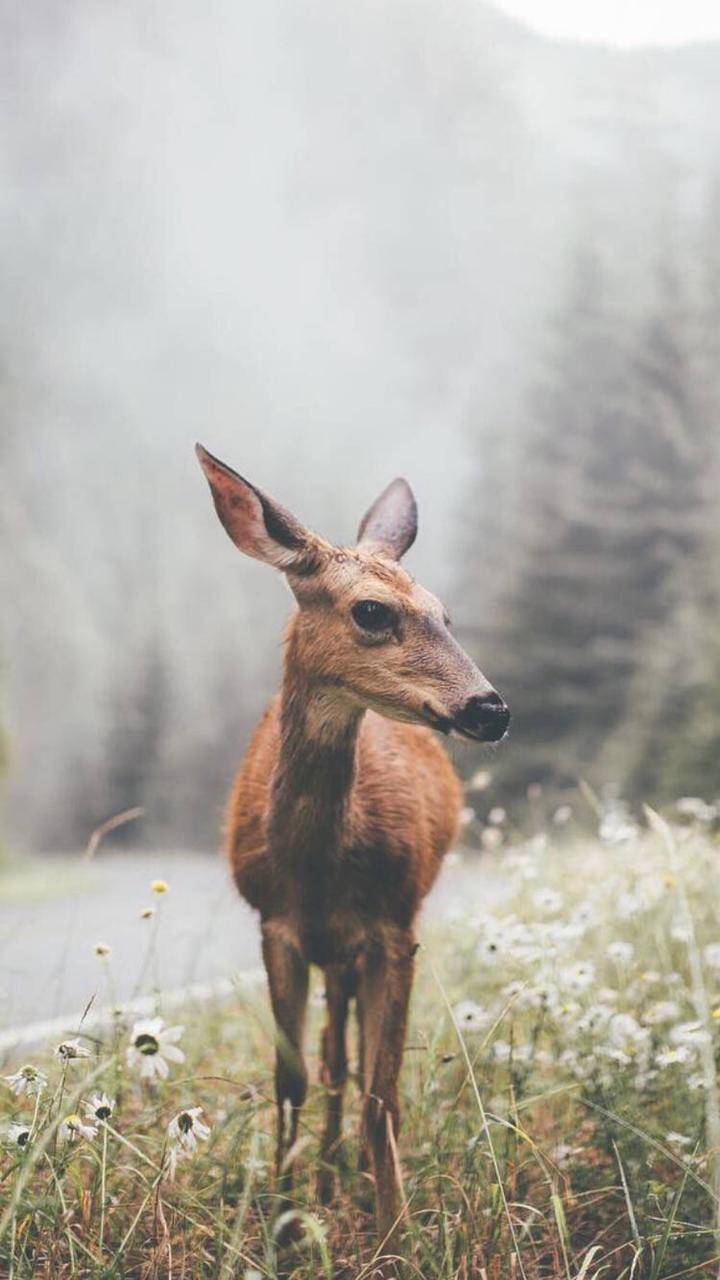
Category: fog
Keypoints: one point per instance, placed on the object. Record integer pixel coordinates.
(331, 243)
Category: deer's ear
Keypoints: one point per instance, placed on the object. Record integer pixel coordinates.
(257, 524)
(391, 522)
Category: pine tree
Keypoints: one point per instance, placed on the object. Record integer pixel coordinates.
(612, 592)
(566, 654)
(672, 738)
(138, 722)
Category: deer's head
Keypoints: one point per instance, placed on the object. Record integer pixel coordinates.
(366, 633)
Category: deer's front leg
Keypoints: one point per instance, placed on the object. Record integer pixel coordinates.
(384, 986)
(338, 987)
(287, 971)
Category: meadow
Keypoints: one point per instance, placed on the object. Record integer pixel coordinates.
(559, 1090)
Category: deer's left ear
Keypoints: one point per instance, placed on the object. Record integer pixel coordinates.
(391, 522)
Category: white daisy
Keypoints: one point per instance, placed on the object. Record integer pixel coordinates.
(27, 1079)
(617, 828)
(567, 1013)
(99, 1107)
(69, 1049)
(651, 976)
(711, 956)
(628, 904)
(578, 977)
(681, 932)
(513, 989)
(470, 1016)
(695, 807)
(697, 1082)
(547, 900)
(583, 915)
(581, 1066)
(690, 1033)
(661, 1011)
(18, 1135)
(544, 995)
(563, 1151)
(595, 1017)
(626, 1037)
(489, 948)
(186, 1128)
(72, 1129)
(620, 952)
(152, 1046)
(562, 815)
(673, 1057)
(677, 1139)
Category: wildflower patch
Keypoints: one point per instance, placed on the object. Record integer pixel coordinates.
(560, 1097)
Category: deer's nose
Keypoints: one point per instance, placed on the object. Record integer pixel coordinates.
(484, 717)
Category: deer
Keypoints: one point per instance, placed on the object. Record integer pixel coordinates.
(346, 803)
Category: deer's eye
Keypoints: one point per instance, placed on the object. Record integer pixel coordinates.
(372, 615)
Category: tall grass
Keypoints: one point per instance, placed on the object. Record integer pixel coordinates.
(559, 1092)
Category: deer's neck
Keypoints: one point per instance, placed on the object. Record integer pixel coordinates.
(315, 771)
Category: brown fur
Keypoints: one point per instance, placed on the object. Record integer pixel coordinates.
(364, 859)
(345, 804)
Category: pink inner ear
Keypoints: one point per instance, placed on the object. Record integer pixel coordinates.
(241, 516)
(257, 525)
(239, 509)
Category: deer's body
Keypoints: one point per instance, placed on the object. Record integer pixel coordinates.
(346, 804)
(338, 873)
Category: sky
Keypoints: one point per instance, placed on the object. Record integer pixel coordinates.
(624, 22)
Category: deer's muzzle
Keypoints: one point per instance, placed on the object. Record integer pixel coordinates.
(483, 718)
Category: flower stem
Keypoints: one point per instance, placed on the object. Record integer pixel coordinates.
(102, 1186)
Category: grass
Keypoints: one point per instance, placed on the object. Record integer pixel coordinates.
(561, 1116)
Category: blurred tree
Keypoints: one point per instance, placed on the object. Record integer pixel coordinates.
(569, 617)
(673, 731)
(611, 598)
(136, 737)
(4, 749)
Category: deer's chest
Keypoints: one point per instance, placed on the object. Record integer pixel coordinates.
(337, 899)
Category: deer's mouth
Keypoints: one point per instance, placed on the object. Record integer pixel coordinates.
(437, 720)
(468, 736)
(485, 732)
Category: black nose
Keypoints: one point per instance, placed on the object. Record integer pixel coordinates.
(485, 717)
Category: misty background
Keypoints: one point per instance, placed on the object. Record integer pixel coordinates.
(339, 243)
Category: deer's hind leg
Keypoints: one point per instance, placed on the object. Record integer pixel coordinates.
(287, 971)
(339, 984)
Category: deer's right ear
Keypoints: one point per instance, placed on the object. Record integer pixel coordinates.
(257, 524)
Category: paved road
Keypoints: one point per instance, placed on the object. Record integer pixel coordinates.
(48, 965)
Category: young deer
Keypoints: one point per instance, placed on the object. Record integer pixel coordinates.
(346, 804)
